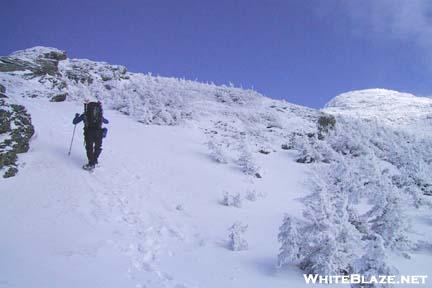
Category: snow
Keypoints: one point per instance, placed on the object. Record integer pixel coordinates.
(397, 109)
(33, 53)
(154, 214)
(62, 226)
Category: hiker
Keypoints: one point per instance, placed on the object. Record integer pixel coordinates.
(93, 131)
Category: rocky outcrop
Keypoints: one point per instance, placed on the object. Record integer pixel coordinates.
(326, 122)
(38, 60)
(55, 55)
(59, 97)
(79, 76)
(2, 91)
(10, 64)
(87, 72)
(16, 129)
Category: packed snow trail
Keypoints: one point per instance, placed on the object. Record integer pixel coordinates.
(150, 216)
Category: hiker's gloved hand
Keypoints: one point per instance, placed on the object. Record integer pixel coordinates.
(76, 119)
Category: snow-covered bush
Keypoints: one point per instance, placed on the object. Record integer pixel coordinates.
(311, 148)
(373, 262)
(326, 240)
(289, 252)
(357, 161)
(232, 199)
(325, 123)
(291, 141)
(237, 242)
(247, 163)
(251, 195)
(370, 149)
(216, 152)
(390, 222)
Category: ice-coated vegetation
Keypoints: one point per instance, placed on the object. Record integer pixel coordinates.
(237, 241)
(360, 165)
(230, 199)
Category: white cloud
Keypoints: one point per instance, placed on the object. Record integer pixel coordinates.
(406, 20)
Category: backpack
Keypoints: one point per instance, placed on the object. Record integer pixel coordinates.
(93, 115)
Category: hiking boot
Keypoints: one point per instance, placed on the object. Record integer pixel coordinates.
(88, 166)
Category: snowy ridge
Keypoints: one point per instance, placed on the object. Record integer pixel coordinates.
(237, 119)
(160, 100)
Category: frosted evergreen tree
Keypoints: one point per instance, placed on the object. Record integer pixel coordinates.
(216, 152)
(391, 223)
(374, 262)
(247, 163)
(329, 241)
(324, 257)
(359, 222)
(290, 239)
(308, 153)
(237, 242)
(232, 199)
(311, 149)
(252, 195)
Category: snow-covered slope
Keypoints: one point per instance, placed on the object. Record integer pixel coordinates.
(149, 217)
(153, 215)
(183, 162)
(228, 112)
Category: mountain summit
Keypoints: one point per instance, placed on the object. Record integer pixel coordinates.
(391, 107)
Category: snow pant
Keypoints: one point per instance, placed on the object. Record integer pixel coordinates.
(93, 144)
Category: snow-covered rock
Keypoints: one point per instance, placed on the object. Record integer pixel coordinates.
(38, 61)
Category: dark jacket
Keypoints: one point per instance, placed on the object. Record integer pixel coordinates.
(78, 118)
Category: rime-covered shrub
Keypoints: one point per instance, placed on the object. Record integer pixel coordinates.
(247, 163)
(327, 239)
(289, 252)
(326, 122)
(232, 199)
(357, 162)
(216, 152)
(390, 222)
(237, 242)
(251, 195)
(373, 262)
(311, 149)
(370, 149)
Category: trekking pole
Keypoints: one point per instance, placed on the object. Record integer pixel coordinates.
(70, 147)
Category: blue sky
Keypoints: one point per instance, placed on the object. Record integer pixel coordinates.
(304, 51)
